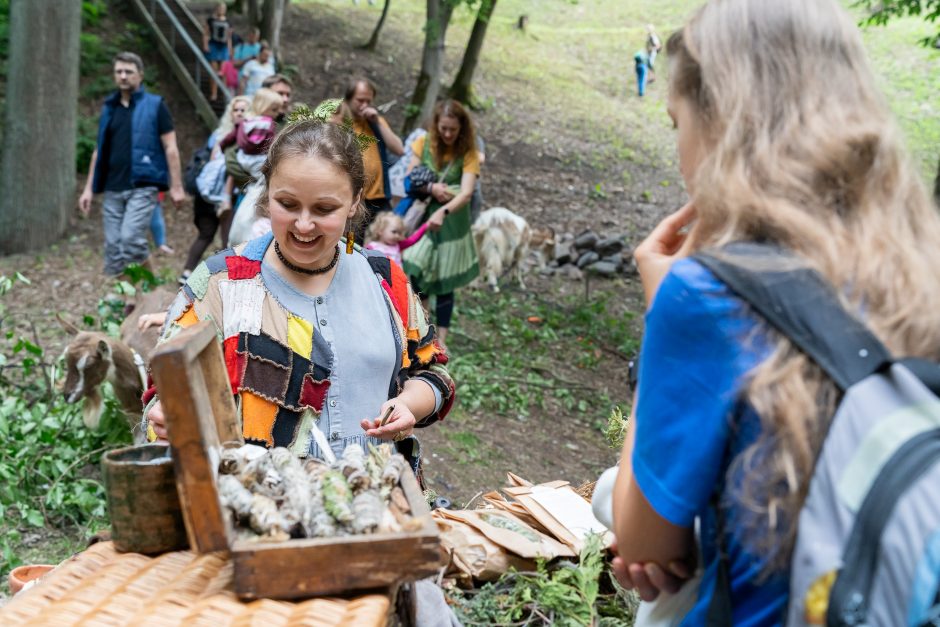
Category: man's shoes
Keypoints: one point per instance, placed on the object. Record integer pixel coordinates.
(165, 250)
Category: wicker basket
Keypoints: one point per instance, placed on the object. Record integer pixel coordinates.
(103, 587)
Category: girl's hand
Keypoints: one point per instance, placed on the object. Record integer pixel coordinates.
(650, 579)
(436, 221)
(157, 421)
(655, 255)
(150, 320)
(400, 423)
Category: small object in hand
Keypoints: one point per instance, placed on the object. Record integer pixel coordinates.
(388, 412)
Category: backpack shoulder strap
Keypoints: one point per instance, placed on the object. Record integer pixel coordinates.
(801, 305)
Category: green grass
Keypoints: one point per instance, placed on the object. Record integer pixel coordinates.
(509, 352)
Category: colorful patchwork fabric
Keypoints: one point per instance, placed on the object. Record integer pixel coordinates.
(422, 355)
(278, 365)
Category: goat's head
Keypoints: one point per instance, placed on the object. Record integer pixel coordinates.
(87, 362)
(542, 243)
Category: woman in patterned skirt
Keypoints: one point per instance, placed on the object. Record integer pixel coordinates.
(446, 257)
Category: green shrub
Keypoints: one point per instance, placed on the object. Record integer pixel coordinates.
(49, 460)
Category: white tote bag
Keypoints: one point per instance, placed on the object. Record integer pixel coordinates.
(245, 216)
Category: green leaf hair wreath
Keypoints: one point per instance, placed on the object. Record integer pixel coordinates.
(325, 112)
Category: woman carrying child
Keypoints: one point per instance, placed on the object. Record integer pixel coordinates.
(253, 137)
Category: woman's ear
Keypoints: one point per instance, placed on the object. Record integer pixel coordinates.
(356, 206)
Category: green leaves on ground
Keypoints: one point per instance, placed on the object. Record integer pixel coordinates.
(517, 352)
(50, 483)
(564, 594)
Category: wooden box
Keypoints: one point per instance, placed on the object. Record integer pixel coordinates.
(193, 385)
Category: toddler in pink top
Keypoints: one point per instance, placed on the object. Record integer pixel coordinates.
(386, 234)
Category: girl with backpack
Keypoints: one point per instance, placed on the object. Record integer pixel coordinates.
(783, 138)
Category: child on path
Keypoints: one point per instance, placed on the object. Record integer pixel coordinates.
(217, 43)
(386, 234)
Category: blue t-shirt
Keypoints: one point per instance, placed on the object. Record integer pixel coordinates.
(245, 51)
(700, 343)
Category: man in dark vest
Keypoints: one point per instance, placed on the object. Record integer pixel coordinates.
(378, 157)
(135, 158)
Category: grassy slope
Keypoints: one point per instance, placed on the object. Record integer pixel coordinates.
(575, 69)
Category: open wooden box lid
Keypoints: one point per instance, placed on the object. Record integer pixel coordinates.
(194, 389)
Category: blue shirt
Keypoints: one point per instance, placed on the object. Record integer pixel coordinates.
(700, 343)
(245, 51)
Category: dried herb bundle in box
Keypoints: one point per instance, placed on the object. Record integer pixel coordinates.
(273, 495)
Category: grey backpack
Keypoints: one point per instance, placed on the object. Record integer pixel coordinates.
(868, 542)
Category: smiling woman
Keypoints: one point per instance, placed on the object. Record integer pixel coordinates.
(318, 344)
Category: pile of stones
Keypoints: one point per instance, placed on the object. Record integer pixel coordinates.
(590, 253)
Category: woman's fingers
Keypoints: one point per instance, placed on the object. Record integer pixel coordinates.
(400, 421)
(667, 237)
(619, 568)
(644, 587)
(681, 569)
(662, 580)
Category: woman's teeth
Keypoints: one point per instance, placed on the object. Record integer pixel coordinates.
(305, 240)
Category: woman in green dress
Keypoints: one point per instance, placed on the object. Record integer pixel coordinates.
(446, 257)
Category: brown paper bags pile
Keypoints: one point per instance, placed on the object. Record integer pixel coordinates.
(535, 522)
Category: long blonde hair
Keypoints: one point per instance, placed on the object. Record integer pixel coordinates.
(804, 152)
(225, 122)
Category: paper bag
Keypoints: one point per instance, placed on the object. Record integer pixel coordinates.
(511, 533)
(473, 555)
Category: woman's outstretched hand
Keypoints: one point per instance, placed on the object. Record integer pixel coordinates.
(400, 423)
(655, 255)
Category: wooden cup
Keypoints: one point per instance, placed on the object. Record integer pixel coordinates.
(142, 500)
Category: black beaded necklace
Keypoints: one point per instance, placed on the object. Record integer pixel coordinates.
(290, 266)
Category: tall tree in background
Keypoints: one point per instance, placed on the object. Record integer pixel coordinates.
(882, 11)
(272, 17)
(432, 63)
(38, 164)
(250, 8)
(374, 39)
(462, 88)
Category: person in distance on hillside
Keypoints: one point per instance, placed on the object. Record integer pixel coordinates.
(136, 156)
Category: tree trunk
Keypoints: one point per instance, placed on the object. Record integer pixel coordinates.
(428, 85)
(38, 165)
(253, 13)
(936, 187)
(271, 20)
(462, 89)
(374, 39)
